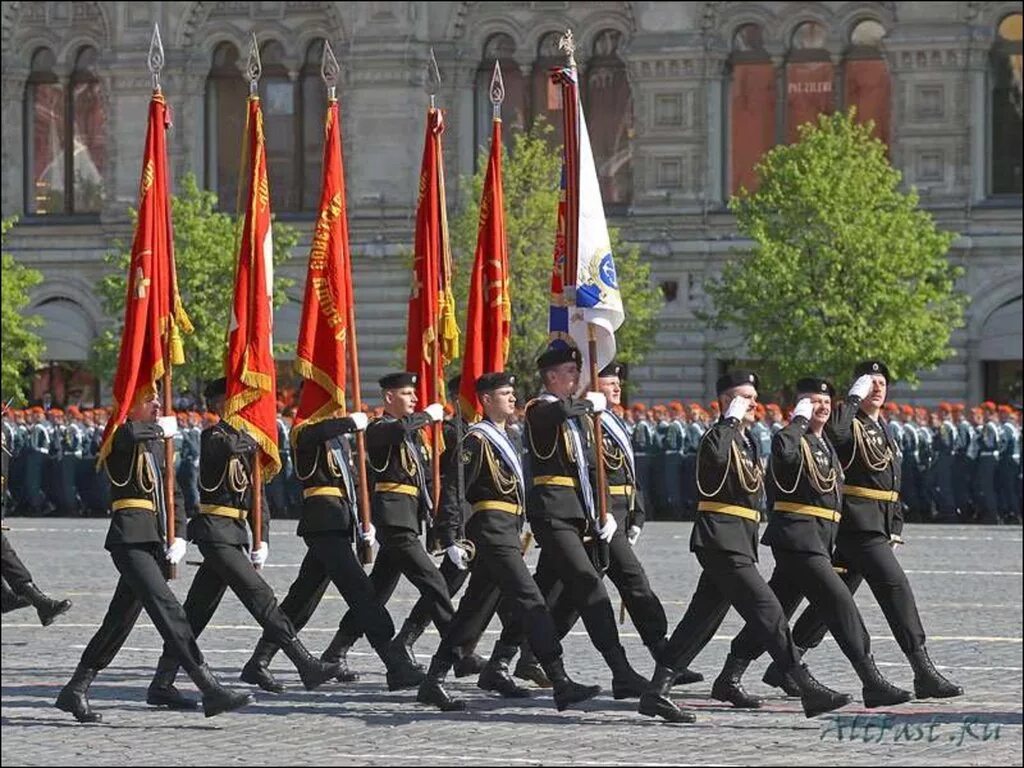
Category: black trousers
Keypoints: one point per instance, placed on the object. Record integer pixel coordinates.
(330, 558)
(563, 558)
(805, 574)
(142, 585)
(730, 579)
(500, 572)
(228, 565)
(870, 556)
(628, 576)
(986, 500)
(402, 554)
(13, 570)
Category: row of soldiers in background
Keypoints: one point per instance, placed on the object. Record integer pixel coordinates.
(959, 465)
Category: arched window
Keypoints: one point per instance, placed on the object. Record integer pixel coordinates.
(546, 96)
(65, 136)
(608, 106)
(1006, 137)
(313, 96)
(499, 48)
(866, 82)
(809, 76)
(280, 124)
(752, 103)
(226, 94)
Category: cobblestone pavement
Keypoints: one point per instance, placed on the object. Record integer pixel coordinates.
(968, 586)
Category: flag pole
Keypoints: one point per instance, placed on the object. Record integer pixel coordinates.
(434, 81)
(155, 62)
(329, 71)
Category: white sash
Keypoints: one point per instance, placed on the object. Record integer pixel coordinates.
(617, 431)
(582, 473)
(501, 441)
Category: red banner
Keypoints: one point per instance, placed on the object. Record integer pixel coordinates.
(809, 92)
(323, 328)
(751, 120)
(869, 88)
(251, 403)
(153, 312)
(488, 318)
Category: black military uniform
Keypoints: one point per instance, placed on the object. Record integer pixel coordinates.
(401, 500)
(872, 519)
(724, 538)
(495, 490)
(560, 506)
(221, 529)
(328, 526)
(135, 541)
(801, 531)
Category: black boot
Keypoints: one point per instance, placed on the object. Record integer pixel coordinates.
(928, 683)
(162, 692)
(627, 683)
(815, 697)
(72, 697)
(878, 692)
(257, 669)
(336, 653)
(776, 678)
(47, 608)
(686, 676)
(313, 672)
(495, 676)
(528, 668)
(727, 686)
(406, 639)
(432, 690)
(655, 701)
(473, 664)
(402, 672)
(216, 698)
(567, 692)
(11, 601)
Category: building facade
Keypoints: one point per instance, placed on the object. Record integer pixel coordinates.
(682, 99)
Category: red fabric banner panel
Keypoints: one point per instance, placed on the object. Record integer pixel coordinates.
(752, 121)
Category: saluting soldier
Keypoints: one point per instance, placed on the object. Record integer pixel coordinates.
(222, 531)
(724, 538)
(871, 527)
(136, 542)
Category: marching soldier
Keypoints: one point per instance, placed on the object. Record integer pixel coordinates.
(963, 474)
(222, 531)
(990, 445)
(136, 542)
(562, 510)
(943, 469)
(925, 459)
(870, 527)
(801, 531)
(724, 538)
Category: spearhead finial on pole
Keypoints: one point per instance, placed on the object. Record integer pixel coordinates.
(433, 77)
(253, 67)
(567, 45)
(155, 60)
(329, 70)
(497, 90)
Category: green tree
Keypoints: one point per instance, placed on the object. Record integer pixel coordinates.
(530, 175)
(844, 265)
(21, 345)
(204, 252)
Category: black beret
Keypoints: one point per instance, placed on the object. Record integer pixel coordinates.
(398, 380)
(870, 368)
(812, 386)
(612, 369)
(491, 381)
(557, 355)
(216, 388)
(736, 379)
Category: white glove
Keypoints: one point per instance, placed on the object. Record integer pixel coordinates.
(175, 551)
(259, 556)
(360, 420)
(369, 538)
(610, 526)
(738, 408)
(895, 541)
(862, 386)
(458, 555)
(633, 535)
(169, 425)
(804, 407)
(435, 411)
(598, 400)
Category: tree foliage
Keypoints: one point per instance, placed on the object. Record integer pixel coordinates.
(845, 266)
(530, 175)
(205, 244)
(21, 346)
